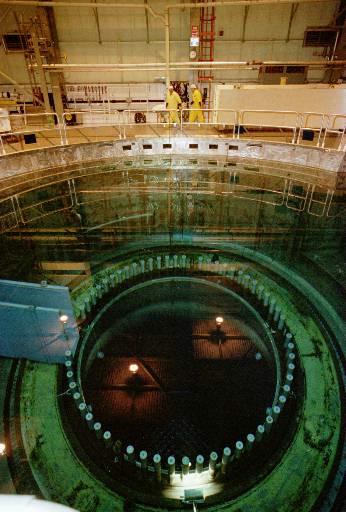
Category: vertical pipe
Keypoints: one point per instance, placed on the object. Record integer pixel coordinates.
(290, 368)
(167, 52)
(276, 412)
(77, 398)
(268, 424)
(266, 299)
(143, 457)
(239, 447)
(107, 439)
(212, 463)
(199, 463)
(68, 354)
(69, 375)
(250, 441)
(130, 452)
(253, 286)
(185, 465)
(282, 400)
(68, 364)
(277, 312)
(225, 459)
(171, 467)
(259, 433)
(282, 321)
(97, 429)
(157, 465)
(89, 418)
(288, 339)
(260, 291)
(286, 389)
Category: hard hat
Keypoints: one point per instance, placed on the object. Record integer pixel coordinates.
(193, 86)
(171, 87)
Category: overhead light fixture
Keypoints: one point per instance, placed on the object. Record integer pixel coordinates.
(133, 368)
(2, 449)
(219, 321)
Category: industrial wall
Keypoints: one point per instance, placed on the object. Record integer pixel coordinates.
(126, 35)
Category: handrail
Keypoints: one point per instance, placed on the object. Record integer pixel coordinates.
(235, 120)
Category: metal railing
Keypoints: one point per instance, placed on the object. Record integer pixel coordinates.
(297, 128)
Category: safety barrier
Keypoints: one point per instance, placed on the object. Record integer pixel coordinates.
(297, 128)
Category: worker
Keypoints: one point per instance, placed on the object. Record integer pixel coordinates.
(173, 103)
(196, 113)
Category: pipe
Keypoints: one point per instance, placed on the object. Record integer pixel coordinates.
(335, 45)
(220, 3)
(155, 66)
(91, 5)
(167, 47)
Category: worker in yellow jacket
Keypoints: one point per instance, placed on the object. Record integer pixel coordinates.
(196, 113)
(173, 103)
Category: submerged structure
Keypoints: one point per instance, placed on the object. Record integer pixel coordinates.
(206, 277)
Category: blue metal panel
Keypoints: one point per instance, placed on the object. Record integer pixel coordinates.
(30, 324)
